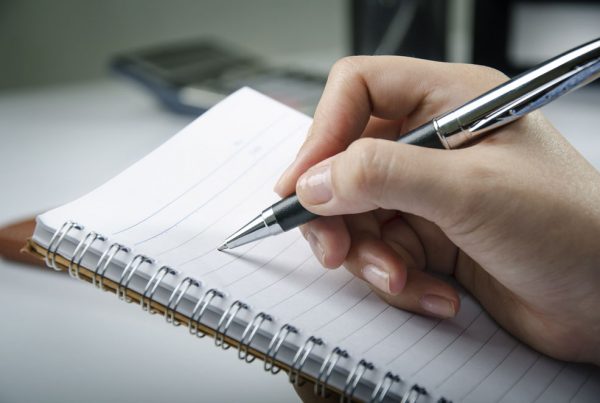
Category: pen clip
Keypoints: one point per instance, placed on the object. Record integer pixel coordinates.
(539, 97)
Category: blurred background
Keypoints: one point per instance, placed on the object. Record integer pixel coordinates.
(63, 41)
(190, 54)
(89, 87)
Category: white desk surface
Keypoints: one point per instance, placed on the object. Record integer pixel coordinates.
(63, 341)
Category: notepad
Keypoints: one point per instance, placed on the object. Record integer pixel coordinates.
(150, 235)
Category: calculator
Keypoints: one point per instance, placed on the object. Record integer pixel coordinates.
(190, 77)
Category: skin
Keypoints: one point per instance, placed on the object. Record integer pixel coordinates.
(515, 218)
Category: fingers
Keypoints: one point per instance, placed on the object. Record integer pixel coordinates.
(383, 129)
(377, 263)
(358, 87)
(374, 173)
(376, 128)
(397, 281)
(440, 253)
(381, 248)
(405, 242)
(426, 295)
(421, 292)
(329, 240)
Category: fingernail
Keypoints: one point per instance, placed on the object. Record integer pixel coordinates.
(315, 185)
(282, 178)
(438, 306)
(377, 277)
(316, 246)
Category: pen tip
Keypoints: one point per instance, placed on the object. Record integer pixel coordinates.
(222, 247)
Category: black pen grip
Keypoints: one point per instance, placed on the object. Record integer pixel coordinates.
(423, 136)
(290, 213)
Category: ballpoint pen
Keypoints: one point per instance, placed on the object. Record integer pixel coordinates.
(457, 128)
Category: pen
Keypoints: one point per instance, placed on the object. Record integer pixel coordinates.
(457, 128)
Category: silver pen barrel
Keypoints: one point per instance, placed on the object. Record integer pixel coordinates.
(501, 105)
(260, 227)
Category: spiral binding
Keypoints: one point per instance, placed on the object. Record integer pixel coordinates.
(327, 367)
(413, 394)
(300, 358)
(176, 297)
(225, 321)
(320, 388)
(152, 286)
(81, 250)
(383, 386)
(103, 263)
(274, 346)
(127, 274)
(57, 239)
(248, 335)
(199, 310)
(353, 379)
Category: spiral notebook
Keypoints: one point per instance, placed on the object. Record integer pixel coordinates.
(150, 235)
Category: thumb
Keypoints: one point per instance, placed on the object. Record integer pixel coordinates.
(377, 173)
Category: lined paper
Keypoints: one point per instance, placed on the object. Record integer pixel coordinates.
(177, 205)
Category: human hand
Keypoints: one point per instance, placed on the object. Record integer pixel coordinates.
(515, 218)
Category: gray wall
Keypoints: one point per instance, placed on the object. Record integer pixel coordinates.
(43, 41)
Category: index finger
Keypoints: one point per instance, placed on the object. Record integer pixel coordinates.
(358, 87)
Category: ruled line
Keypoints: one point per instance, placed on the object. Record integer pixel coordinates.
(281, 251)
(242, 200)
(450, 344)
(428, 332)
(439, 322)
(209, 174)
(326, 299)
(332, 321)
(514, 347)
(468, 360)
(430, 342)
(583, 383)
(390, 334)
(550, 382)
(511, 387)
(298, 267)
(362, 326)
(215, 195)
(212, 250)
(297, 292)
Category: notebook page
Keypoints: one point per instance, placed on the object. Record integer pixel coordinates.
(177, 205)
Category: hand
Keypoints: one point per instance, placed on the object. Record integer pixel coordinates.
(515, 218)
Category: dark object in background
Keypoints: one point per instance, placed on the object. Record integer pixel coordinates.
(496, 30)
(415, 28)
(190, 77)
(484, 32)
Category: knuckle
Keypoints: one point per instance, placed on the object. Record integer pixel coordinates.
(346, 66)
(481, 78)
(369, 165)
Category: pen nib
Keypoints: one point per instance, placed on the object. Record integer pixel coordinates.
(222, 247)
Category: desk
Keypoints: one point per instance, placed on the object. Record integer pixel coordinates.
(63, 341)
